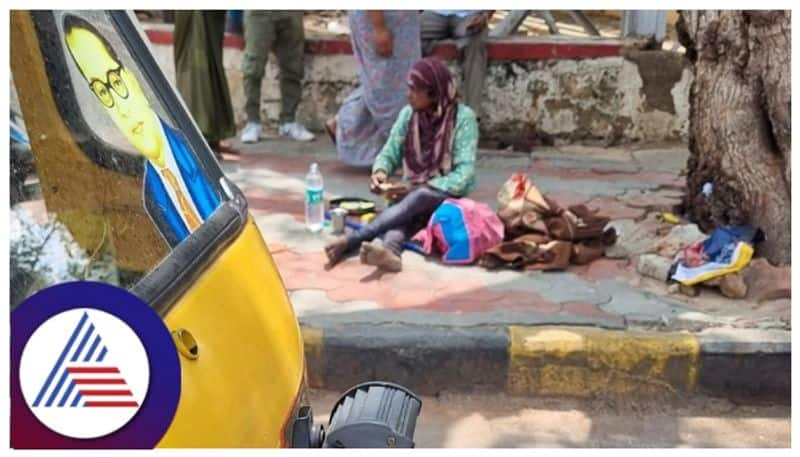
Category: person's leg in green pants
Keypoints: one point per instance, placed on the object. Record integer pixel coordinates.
(259, 36)
(289, 50)
(281, 31)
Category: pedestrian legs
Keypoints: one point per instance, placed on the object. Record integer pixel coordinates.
(473, 62)
(289, 50)
(418, 204)
(433, 27)
(259, 35)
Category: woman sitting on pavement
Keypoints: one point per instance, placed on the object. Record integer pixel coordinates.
(435, 139)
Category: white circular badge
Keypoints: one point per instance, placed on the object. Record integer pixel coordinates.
(84, 373)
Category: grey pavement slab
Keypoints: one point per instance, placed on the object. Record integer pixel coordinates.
(740, 341)
(636, 305)
(471, 319)
(310, 302)
(554, 286)
(669, 159)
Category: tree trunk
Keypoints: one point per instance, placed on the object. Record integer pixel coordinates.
(740, 126)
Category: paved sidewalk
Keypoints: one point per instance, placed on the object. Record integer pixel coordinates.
(628, 184)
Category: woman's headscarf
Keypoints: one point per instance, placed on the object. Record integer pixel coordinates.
(427, 150)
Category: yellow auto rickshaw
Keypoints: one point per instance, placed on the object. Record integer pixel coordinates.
(124, 189)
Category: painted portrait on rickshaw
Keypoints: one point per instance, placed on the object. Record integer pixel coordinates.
(178, 196)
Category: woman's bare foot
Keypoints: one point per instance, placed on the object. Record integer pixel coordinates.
(377, 255)
(330, 127)
(335, 250)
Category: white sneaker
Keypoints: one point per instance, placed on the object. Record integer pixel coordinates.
(251, 132)
(295, 131)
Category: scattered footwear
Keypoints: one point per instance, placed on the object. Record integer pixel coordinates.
(295, 131)
(251, 132)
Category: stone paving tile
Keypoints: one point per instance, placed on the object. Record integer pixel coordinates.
(585, 309)
(287, 230)
(614, 209)
(662, 179)
(617, 154)
(311, 302)
(392, 290)
(552, 286)
(671, 159)
(445, 273)
(592, 165)
(604, 269)
(637, 305)
(569, 198)
(659, 200)
(276, 163)
(350, 271)
(306, 271)
(267, 180)
(568, 287)
(508, 162)
(465, 296)
(589, 187)
(634, 238)
(537, 282)
(526, 302)
(275, 248)
(299, 279)
(371, 291)
(582, 170)
(779, 308)
(416, 316)
(263, 202)
(409, 289)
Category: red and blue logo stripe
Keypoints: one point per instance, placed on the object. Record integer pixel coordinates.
(85, 379)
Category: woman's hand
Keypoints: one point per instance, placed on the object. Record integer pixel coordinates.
(480, 21)
(378, 178)
(384, 42)
(395, 194)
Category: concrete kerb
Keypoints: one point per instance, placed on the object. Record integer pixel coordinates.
(743, 365)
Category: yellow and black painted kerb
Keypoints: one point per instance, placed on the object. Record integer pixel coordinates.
(584, 362)
(544, 361)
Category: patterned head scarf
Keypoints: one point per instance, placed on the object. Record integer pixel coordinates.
(427, 149)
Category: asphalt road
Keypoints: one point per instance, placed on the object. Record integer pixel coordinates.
(502, 421)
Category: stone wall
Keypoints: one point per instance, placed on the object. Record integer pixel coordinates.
(638, 96)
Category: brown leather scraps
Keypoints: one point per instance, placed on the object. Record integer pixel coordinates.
(530, 252)
(543, 235)
(576, 224)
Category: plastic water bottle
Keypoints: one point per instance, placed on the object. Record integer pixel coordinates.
(315, 203)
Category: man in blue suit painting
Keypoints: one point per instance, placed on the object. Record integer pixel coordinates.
(178, 195)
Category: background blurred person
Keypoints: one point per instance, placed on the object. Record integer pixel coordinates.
(200, 75)
(385, 44)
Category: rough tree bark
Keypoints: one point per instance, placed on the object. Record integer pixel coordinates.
(740, 126)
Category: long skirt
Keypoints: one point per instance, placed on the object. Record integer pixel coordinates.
(199, 73)
(367, 115)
